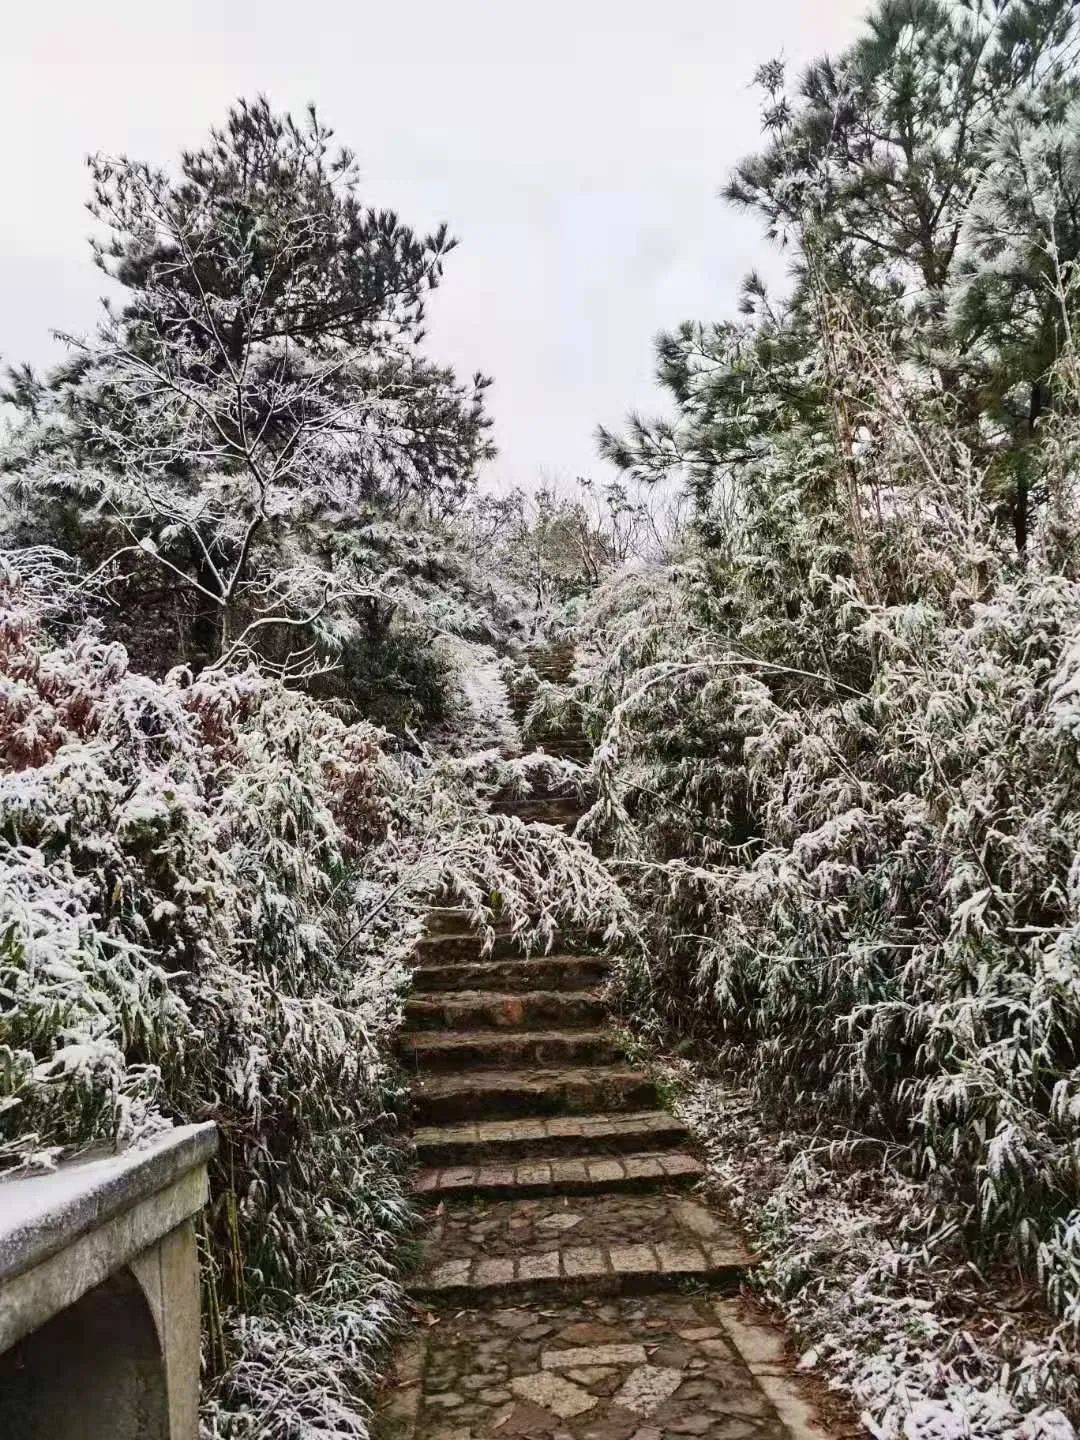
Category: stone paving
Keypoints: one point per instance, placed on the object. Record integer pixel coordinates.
(661, 1367)
(516, 1227)
(636, 1369)
(571, 1285)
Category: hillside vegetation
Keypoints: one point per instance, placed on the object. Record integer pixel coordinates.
(243, 637)
(258, 629)
(837, 735)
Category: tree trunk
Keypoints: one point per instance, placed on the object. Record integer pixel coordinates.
(1021, 490)
(207, 628)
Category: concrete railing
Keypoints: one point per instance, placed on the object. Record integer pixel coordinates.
(99, 1294)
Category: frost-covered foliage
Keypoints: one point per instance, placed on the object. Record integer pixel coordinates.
(850, 803)
(181, 873)
(253, 449)
(552, 546)
(231, 550)
(864, 873)
(836, 741)
(209, 885)
(855, 1250)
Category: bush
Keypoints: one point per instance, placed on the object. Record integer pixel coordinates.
(843, 782)
(210, 886)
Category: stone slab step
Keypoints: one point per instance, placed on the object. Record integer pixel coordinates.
(549, 739)
(453, 920)
(449, 920)
(500, 1094)
(444, 948)
(505, 1010)
(456, 1050)
(541, 972)
(560, 1175)
(628, 1241)
(554, 661)
(504, 1141)
(555, 1274)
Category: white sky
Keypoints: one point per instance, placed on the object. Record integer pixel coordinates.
(575, 148)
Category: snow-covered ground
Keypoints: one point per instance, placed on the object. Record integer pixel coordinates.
(924, 1345)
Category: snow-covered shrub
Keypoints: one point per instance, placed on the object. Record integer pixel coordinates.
(858, 1253)
(870, 885)
(836, 741)
(180, 869)
(209, 886)
(837, 766)
(860, 867)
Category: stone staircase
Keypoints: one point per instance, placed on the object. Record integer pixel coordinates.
(522, 1097)
(576, 1288)
(555, 664)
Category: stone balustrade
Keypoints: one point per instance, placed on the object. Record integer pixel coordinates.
(99, 1294)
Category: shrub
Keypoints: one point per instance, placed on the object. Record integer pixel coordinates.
(210, 886)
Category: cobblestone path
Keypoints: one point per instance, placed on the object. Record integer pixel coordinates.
(576, 1288)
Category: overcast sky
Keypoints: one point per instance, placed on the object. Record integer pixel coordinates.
(575, 148)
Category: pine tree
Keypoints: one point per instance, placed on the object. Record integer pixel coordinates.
(875, 174)
(880, 152)
(1010, 308)
(261, 389)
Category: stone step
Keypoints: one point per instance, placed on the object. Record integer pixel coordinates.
(449, 920)
(560, 1175)
(500, 1094)
(616, 1242)
(586, 1270)
(569, 973)
(547, 811)
(554, 662)
(444, 949)
(504, 1141)
(446, 1050)
(505, 1010)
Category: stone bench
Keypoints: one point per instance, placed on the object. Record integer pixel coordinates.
(99, 1294)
